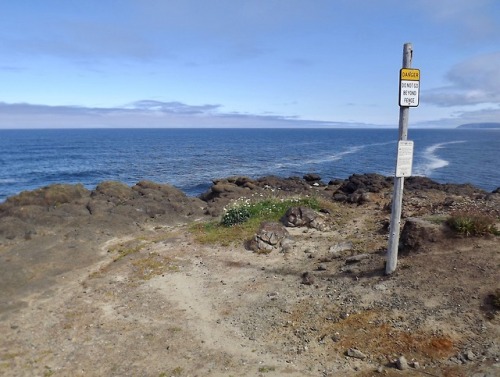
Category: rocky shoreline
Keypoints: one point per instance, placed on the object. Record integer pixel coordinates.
(320, 306)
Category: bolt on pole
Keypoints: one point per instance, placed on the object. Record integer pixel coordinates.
(397, 198)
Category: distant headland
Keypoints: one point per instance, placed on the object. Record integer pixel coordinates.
(480, 125)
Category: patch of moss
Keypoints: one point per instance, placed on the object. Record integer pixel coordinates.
(266, 369)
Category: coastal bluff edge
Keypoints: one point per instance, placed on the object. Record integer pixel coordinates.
(111, 281)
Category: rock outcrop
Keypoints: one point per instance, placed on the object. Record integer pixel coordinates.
(357, 188)
(112, 205)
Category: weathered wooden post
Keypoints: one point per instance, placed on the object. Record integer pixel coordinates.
(409, 89)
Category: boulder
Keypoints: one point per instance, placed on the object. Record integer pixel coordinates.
(223, 191)
(303, 216)
(312, 178)
(271, 236)
(417, 233)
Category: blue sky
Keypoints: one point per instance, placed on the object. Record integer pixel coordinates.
(243, 63)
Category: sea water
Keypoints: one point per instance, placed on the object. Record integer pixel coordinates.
(191, 158)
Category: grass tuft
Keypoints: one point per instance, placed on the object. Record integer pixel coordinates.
(472, 223)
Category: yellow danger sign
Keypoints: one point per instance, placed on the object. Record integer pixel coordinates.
(409, 87)
(410, 74)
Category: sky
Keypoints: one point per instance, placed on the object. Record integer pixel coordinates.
(245, 63)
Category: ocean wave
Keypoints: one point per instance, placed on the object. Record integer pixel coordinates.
(8, 181)
(431, 160)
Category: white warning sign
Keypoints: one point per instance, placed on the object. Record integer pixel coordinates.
(405, 158)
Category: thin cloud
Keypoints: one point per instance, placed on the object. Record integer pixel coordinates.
(172, 107)
(472, 82)
(488, 115)
(145, 114)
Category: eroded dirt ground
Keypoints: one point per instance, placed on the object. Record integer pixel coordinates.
(159, 303)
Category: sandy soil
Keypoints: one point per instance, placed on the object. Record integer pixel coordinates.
(159, 303)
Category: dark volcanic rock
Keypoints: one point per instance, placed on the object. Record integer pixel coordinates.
(303, 216)
(223, 191)
(423, 183)
(292, 184)
(367, 182)
(227, 187)
(112, 205)
(49, 196)
(357, 187)
(299, 216)
(269, 237)
(145, 199)
(312, 177)
(417, 233)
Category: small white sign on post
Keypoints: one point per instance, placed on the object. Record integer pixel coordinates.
(409, 87)
(404, 161)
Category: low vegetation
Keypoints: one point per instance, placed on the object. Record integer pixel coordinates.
(473, 223)
(127, 248)
(243, 218)
(152, 265)
(265, 210)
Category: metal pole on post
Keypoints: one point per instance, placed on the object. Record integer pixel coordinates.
(397, 198)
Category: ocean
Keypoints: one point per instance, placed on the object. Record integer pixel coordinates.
(191, 158)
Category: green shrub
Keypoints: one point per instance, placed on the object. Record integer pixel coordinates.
(472, 223)
(235, 216)
(268, 209)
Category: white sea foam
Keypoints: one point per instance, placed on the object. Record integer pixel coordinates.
(336, 156)
(330, 157)
(431, 160)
